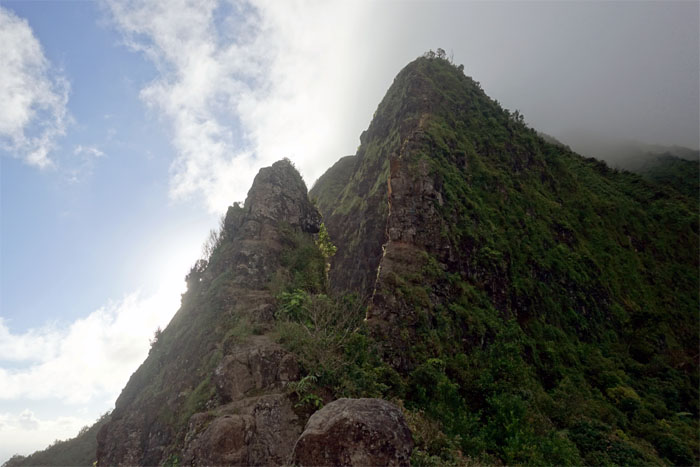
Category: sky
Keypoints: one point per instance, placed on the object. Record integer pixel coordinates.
(127, 127)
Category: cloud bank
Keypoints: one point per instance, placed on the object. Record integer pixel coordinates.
(79, 369)
(82, 367)
(89, 360)
(32, 92)
(24, 432)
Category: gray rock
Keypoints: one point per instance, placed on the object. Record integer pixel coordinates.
(355, 432)
(256, 365)
(278, 195)
(258, 430)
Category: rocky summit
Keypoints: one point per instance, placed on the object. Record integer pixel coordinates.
(460, 291)
(208, 393)
(215, 389)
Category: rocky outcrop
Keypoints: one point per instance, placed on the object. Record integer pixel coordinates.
(256, 425)
(279, 195)
(259, 430)
(210, 393)
(356, 214)
(360, 432)
(414, 230)
(257, 364)
(277, 200)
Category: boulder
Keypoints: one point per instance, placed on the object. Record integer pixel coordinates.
(355, 432)
(258, 430)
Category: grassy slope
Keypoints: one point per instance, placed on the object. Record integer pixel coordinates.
(332, 183)
(567, 330)
(681, 174)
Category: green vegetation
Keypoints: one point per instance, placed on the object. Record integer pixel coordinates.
(331, 184)
(563, 328)
(326, 333)
(324, 244)
(333, 347)
(544, 306)
(671, 171)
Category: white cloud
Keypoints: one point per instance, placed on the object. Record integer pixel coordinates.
(89, 360)
(82, 164)
(33, 94)
(34, 345)
(88, 151)
(27, 421)
(58, 378)
(23, 432)
(244, 84)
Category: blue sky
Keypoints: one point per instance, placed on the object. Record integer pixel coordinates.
(65, 238)
(128, 126)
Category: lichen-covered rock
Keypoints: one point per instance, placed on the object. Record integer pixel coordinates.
(360, 432)
(256, 365)
(278, 195)
(258, 430)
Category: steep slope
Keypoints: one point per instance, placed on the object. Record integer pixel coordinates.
(329, 186)
(356, 215)
(680, 174)
(520, 303)
(538, 306)
(212, 390)
(624, 154)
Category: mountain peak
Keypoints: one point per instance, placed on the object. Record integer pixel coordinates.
(279, 194)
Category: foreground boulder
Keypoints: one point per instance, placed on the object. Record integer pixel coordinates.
(355, 432)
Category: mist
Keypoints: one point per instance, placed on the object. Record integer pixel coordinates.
(616, 71)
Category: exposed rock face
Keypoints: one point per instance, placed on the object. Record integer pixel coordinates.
(356, 215)
(414, 229)
(279, 194)
(252, 431)
(277, 198)
(205, 394)
(331, 184)
(386, 220)
(359, 432)
(256, 364)
(357, 225)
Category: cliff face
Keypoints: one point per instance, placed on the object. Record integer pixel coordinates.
(209, 393)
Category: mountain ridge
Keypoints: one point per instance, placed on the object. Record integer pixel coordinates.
(524, 232)
(519, 303)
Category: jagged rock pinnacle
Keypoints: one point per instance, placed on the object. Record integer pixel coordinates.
(279, 194)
